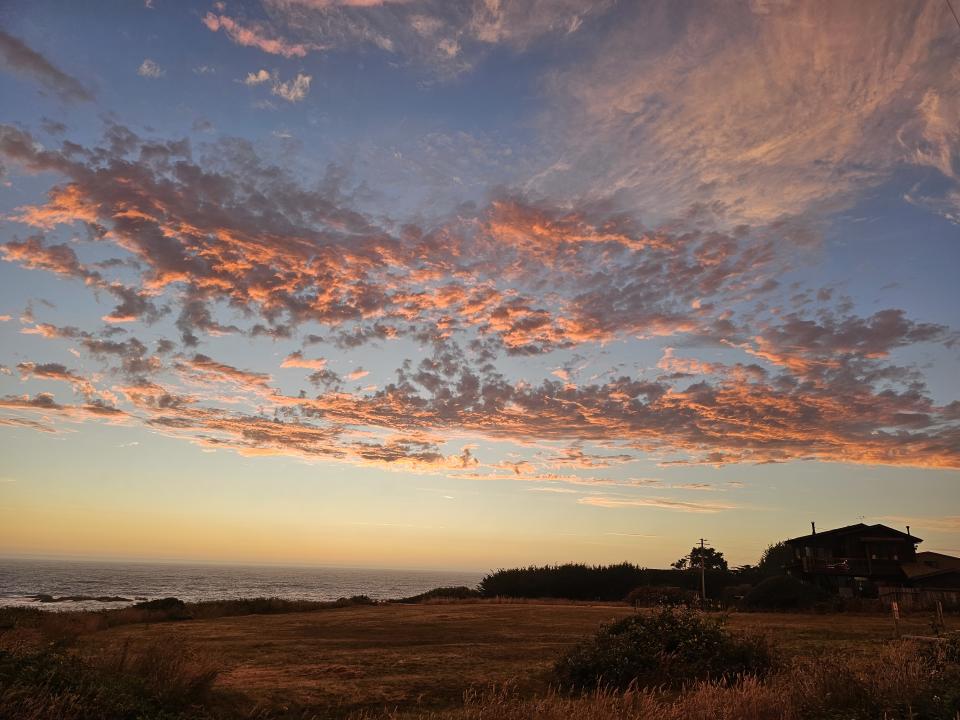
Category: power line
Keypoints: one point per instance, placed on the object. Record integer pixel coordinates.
(953, 12)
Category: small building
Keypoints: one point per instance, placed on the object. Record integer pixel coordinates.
(855, 560)
(938, 560)
(933, 571)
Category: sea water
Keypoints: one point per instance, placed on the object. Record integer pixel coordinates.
(23, 581)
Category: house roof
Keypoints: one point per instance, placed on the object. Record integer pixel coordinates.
(915, 570)
(921, 575)
(938, 561)
(871, 532)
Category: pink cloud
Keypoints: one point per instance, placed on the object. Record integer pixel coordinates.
(255, 35)
(514, 277)
(297, 360)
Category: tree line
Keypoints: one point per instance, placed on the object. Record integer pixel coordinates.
(578, 581)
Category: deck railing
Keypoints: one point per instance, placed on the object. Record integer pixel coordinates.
(850, 566)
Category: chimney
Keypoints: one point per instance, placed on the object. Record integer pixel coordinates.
(813, 527)
(908, 529)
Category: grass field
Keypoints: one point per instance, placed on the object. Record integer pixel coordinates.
(428, 655)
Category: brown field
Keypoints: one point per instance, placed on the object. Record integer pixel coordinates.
(429, 655)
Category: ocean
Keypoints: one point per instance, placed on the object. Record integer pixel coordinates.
(22, 581)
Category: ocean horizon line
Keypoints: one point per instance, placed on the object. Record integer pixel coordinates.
(236, 563)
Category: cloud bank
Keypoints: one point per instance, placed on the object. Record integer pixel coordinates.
(226, 243)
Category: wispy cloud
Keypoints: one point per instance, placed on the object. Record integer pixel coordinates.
(662, 503)
(150, 69)
(448, 37)
(17, 56)
(919, 524)
(256, 35)
(704, 85)
(297, 360)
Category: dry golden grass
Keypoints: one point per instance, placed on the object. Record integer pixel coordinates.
(895, 682)
(376, 656)
(427, 656)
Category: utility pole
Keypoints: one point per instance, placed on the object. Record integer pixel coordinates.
(703, 574)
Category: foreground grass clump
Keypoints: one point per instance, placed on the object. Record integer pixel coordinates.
(669, 648)
(161, 682)
(902, 681)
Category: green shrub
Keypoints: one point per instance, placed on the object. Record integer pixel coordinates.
(672, 648)
(783, 593)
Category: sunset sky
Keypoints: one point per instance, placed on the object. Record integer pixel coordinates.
(475, 283)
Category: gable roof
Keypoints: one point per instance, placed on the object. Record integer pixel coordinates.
(856, 529)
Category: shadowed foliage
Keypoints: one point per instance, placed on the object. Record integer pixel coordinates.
(597, 582)
(782, 593)
(442, 593)
(670, 648)
(162, 682)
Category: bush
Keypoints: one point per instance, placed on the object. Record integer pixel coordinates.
(353, 600)
(461, 592)
(651, 596)
(669, 648)
(165, 604)
(783, 593)
(734, 594)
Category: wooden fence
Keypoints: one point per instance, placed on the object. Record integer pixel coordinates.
(919, 598)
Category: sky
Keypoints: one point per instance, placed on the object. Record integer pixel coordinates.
(471, 284)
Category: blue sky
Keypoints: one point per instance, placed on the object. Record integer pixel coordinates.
(476, 283)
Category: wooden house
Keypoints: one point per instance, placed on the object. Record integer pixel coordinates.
(854, 560)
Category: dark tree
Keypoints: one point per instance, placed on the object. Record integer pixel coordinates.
(773, 560)
(712, 559)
